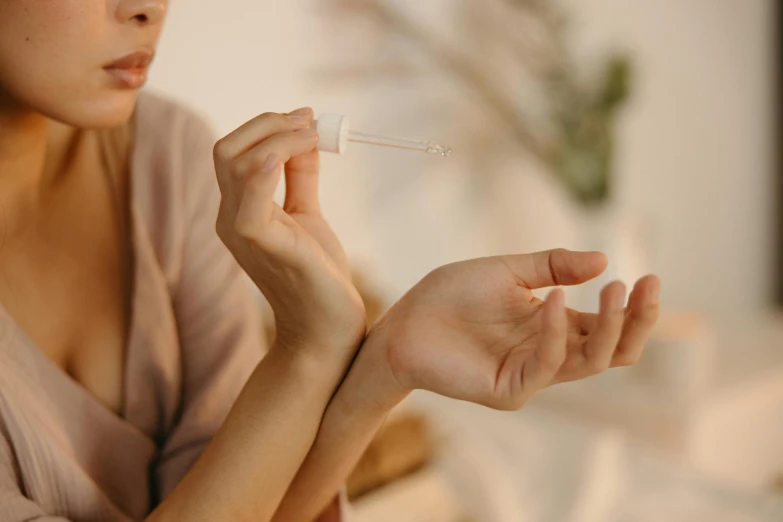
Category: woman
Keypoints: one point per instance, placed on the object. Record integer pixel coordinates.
(132, 380)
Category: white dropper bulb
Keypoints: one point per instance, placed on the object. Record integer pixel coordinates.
(335, 132)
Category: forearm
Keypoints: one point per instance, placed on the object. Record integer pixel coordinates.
(244, 472)
(353, 416)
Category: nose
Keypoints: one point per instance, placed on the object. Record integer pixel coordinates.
(143, 12)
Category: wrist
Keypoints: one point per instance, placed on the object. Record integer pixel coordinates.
(370, 386)
(324, 352)
(303, 364)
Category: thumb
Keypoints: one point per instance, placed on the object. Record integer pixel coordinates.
(556, 267)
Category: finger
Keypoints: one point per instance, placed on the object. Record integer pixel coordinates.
(640, 318)
(301, 182)
(556, 267)
(257, 130)
(601, 343)
(261, 168)
(550, 354)
(302, 116)
(284, 146)
(257, 205)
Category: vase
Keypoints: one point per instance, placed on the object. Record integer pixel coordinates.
(624, 237)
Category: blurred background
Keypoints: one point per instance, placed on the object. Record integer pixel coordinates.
(647, 130)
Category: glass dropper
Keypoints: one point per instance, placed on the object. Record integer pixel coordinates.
(422, 146)
(334, 134)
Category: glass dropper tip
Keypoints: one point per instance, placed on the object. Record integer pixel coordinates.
(384, 141)
(435, 148)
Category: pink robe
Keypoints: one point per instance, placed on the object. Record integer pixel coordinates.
(194, 340)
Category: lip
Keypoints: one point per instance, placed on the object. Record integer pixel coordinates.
(130, 71)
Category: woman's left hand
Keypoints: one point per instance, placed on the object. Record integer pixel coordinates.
(289, 252)
(474, 331)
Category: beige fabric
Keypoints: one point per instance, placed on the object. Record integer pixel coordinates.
(194, 340)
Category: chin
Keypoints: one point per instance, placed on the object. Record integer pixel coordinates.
(100, 109)
(108, 109)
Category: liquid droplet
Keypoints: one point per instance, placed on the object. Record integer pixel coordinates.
(434, 148)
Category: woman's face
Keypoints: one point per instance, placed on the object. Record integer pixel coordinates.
(77, 61)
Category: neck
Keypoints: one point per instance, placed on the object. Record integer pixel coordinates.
(34, 152)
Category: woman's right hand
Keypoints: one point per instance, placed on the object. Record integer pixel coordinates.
(474, 331)
(289, 252)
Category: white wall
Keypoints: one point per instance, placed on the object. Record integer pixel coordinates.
(695, 154)
(698, 145)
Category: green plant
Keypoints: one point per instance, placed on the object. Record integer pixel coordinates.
(586, 123)
(577, 141)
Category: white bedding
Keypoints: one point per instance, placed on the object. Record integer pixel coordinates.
(533, 466)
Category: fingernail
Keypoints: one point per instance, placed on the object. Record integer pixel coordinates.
(619, 301)
(298, 121)
(557, 298)
(307, 133)
(270, 164)
(655, 293)
(300, 117)
(304, 111)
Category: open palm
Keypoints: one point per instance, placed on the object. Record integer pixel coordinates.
(474, 331)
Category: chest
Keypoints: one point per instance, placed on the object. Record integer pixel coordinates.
(66, 281)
